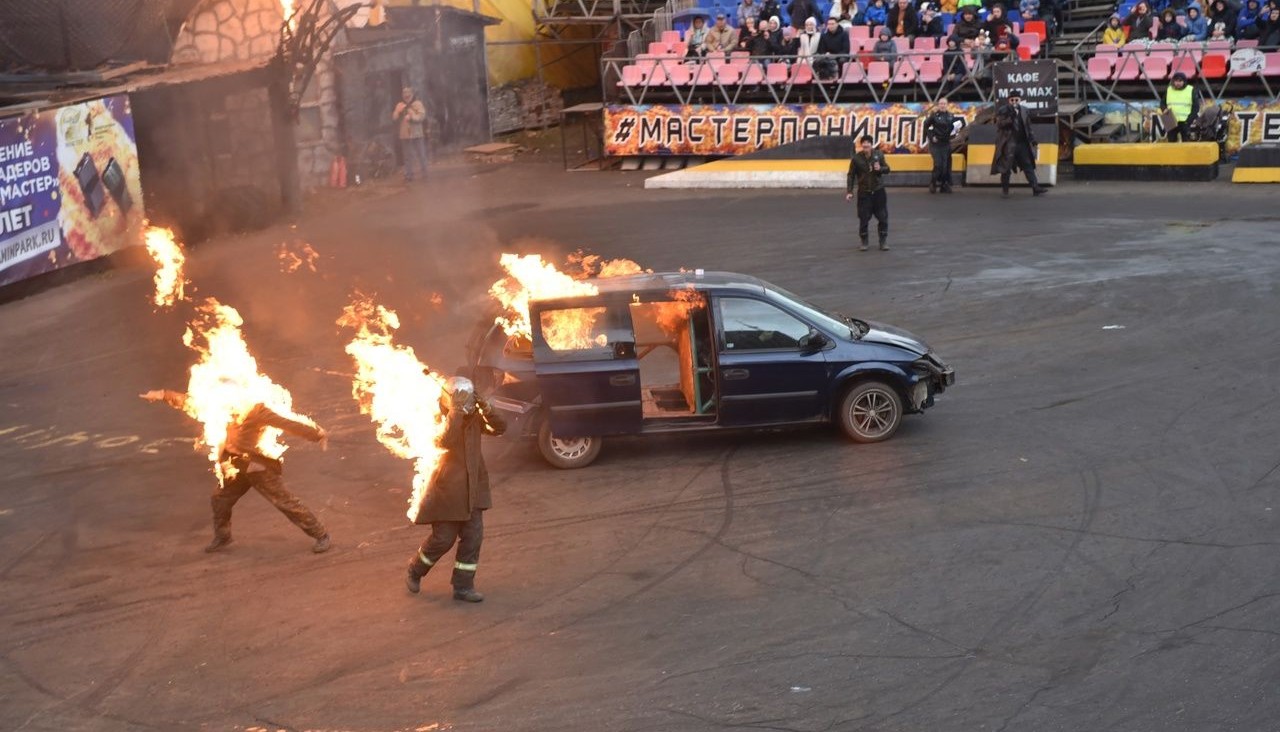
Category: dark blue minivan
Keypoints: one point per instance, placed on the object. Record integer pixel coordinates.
(689, 351)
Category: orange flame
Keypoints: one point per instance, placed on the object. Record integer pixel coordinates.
(395, 389)
(671, 315)
(287, 10)
(225, 383)
(165, 250)
(293, 259)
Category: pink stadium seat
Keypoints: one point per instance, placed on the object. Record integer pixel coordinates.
(753, 75)
(905, 74)
(680, 49)
(1138, 47)
(658, 77)
(853, 73)
(1162, 50)
(632, 76)
(902, 43)
(878, 72)
(801, 74)
(646, 63)
(860, 31)
(1099, 68)
(743, 55)
(1030, 41)
(1185, 64)
(679, 74)
(1273, 64)
(1247, 43)
(729, 74)
(1220, 47)
(924, 43)
(670, 37)
(1127, 68)
(931, 71)
(777, 73)
(704, 75)
(1108, 50)
(1155, 68)
(876, 33)
(658, 48)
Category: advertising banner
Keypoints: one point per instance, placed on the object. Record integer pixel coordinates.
(722, 129)
(1035, 81)
(69, 187)
(1249, 120)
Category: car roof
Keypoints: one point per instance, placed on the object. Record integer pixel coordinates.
(667, 281)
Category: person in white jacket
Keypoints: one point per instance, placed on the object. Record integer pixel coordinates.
(845, 12)
(807, 41)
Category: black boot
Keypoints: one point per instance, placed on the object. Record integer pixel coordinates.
(417, 570)
(467, 594)
(1039, 191)
(933, 186)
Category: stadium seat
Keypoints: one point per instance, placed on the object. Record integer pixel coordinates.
(1213, 66)
(1099, 68)
(1134, 47)
(931, 71)
(878, 72)
(658, 48)
(876, 33)
(1161, 50)
(853, 73)
(1236, 71)
(1247, 43)
(703, 75)
(1185, 64)
(646, 63)
(1024, 53)
(1038, 27)
(1273, 64)
(1107, 50)
(753, 74)
(924, 43)
(671, 37)
(902, 43)
(632, 75)
(1155, 68)
(679, 74)
(860, 31)
(1222, 48)
(776, 73)
(739, 56)
(680, 49)
(801, 74)
(1127, 69)
(905, 73)
(1031, 41)
(658, 76)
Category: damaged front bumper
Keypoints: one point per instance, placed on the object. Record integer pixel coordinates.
(934, 378)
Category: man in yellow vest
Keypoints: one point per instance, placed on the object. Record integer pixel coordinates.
(1182, 104)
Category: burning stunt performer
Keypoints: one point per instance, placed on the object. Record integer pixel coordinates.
(242, 466)
(455, 502)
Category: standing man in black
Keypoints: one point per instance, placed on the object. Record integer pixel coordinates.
(867, 170)
(1016, 145)
(458, 496)
(939, 126)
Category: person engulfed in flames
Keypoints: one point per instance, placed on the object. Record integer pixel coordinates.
(242, 466)
(455, 501)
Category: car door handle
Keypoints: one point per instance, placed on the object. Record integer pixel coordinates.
(735, 374)
(623, 380)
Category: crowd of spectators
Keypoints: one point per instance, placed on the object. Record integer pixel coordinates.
(1187, 20)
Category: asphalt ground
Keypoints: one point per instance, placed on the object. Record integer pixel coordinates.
(1079, 536)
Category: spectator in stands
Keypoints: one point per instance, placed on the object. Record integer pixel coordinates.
(1220, 11)
(721, 37)
(411, 116)
(1115, 33)
(747, 10)
(747, 36)
(954, 68)
(1183, 103)
(768, 39)
(885, 49)
(1000, 29)
(1029, 10)
(931, 23)
(802, 10)
(1197, 26)
(968, 28)
(835, 42)
(949, 6)
(807, 41)
(1170, 30)
(1182, 6)
(845, 12)
(1247, 20)
(1219, 32)
(771, 9)
(696, 36)
(1016, 146)
(1051, 14)
(877, 13)
(1140, 22)
(903, 20)
(1269, 37)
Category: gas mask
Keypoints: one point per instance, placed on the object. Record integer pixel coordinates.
(461, 394)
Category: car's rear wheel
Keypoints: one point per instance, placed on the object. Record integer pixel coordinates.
(567, 453)
(871, 412)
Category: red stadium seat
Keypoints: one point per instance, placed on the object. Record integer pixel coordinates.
(931, 71)
(853, 73)
(777, 73)
(1213, 66)
(1185, 64)
(801, 74)
(1037, 27)
(1024, 53)
(878, 72)
(1099, 68)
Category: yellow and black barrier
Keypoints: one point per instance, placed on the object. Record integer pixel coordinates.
(1147, 161)
(979, 171)
(1258, 163)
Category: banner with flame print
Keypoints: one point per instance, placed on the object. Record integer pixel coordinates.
(70, 190)
(723, 129)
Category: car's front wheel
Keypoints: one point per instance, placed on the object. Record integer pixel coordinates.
(870, 412)
(567, 452)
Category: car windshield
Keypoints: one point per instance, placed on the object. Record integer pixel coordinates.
(833, 321)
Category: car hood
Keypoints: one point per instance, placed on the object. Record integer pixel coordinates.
(891, 336)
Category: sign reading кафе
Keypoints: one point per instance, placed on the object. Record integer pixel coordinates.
(1035, 81)
(70, 190)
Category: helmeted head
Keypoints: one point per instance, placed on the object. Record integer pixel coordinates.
(460, 392)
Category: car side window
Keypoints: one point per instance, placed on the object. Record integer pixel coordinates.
(575, 330)
(753, 325)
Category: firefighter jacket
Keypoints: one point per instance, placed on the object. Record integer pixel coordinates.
(461, 485)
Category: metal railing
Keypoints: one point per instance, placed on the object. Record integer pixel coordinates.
(747, 79)
(1214, 88)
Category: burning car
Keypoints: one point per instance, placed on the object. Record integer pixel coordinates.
(696, 351)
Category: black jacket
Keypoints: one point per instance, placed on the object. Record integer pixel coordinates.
(800, 10)
(967, 30)
(836, 44)
(1015, 140)
(862, 177)
(932, 29)
(461, 484)
(1140, 26)
(938, 127)
(910, 23)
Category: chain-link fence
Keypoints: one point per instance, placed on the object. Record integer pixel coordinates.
(61, 35)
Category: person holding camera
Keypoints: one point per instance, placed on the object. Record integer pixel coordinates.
(867, 169)
(455, 502)
(1016, 146)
